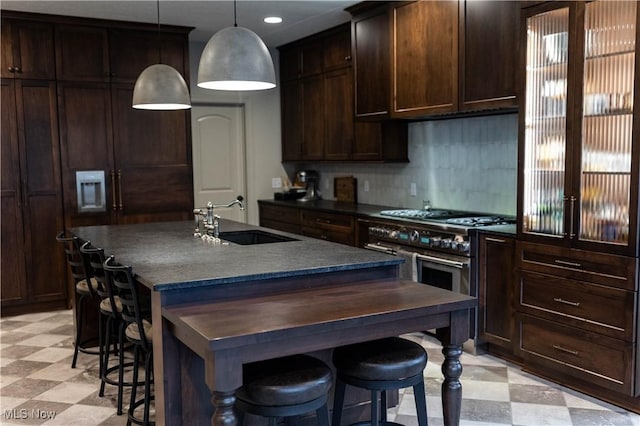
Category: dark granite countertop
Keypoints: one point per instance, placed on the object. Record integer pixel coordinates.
(372, 211)
(331, 206)
(166, 256)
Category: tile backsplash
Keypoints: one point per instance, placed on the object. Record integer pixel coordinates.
(463, 163)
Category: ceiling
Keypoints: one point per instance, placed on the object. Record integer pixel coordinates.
(300, 17)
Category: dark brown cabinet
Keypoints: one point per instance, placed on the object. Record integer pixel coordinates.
(82, 53)
(331, 226)
(371, 46)
(131, 51)
(27, 50)
(152, 159)
(424, 52)
(318, 109)
(577, 315)
(283, 218)
(33, 266)
(578, 182)
(144, 155)
(336, 227)
(488, 54)
(415, 59)
(339, 128)
(496, 291)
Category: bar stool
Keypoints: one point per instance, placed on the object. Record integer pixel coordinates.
(85, 287)
(380, 365)
(285, 387)
(110, 309)
(137, 317)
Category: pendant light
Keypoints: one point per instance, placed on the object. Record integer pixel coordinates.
(235, 58)
(160, 86)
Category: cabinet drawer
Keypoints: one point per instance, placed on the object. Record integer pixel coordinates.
(280, 214)
(572, 352)
(328, 221)
(581, 265)
(341, 237)
(593, 307)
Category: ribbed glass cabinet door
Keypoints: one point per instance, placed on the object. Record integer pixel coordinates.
(607, 121)
(545, 122)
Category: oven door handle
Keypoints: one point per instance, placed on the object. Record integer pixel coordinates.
(382, 249)
(441, 261)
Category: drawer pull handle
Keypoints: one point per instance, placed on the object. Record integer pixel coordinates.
(323, 221)
(566, 302)
(495, 240)
(569, 351)
(564, 262)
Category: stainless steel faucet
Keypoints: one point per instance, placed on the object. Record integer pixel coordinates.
(211, 221)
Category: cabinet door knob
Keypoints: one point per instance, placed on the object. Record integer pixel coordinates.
(18, 69)
(347, 58)
(10, 69)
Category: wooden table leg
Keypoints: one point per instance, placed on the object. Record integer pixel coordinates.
(451, 387)
(223, 405)
(452, 339)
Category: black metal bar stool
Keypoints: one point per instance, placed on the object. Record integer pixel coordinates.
(85, 287)
(136, 314)
(380, 365)
(110, 310)
(285, 387)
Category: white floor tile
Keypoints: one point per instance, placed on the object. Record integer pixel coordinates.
(50, 355)
(82, 415)
(45, 340)
(490, 391)
(58, 372)
(69, 393)
(540, 415)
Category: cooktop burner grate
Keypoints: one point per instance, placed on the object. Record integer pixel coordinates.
(418, 214)
(479, 220)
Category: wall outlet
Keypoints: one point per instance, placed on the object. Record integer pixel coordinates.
(413, 190)
(366, 186)
(276, 183)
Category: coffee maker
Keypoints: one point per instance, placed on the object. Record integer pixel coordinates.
(310, 179)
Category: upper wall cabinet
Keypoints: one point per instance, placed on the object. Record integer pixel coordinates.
(82, 53)
(422, 58)
(424, 52)
(317, 106)
(488, 54)
(27, 50)
(370, 42)
(132, 51)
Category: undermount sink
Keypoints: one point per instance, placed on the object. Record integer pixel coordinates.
(246, 238)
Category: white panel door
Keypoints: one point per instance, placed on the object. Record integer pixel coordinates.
(219, 166)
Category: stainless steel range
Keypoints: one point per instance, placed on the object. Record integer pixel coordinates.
(439, 246)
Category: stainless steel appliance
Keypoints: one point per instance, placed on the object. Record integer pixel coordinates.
(310, 179)
(441, 243)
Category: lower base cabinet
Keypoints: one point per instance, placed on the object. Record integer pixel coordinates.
(577, 316)
(496, 291)
(329, 226)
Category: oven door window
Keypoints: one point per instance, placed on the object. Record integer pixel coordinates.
(447, 277)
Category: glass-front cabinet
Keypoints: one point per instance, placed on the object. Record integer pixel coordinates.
(579, 150)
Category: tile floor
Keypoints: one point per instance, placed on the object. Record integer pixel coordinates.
(39, 387)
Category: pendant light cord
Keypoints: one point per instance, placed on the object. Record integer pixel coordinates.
(158, 35)
(235, 14)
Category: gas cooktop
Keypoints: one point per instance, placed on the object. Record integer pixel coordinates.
(459, 218)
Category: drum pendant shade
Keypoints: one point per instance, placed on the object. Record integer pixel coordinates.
(235, 58)
(161, 87)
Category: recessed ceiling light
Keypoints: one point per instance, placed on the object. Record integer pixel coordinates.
(273, 19)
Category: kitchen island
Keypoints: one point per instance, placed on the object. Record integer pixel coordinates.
(217, 306)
